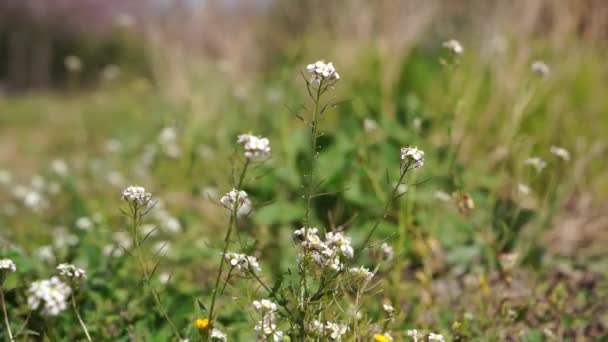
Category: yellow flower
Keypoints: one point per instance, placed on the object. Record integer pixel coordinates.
(381, 338)
(202, 323)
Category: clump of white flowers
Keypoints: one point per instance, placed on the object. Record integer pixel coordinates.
(217, 336)
(435, 337)
(412, 158)
(540, 68)
(453, 46)
(334, 330)
(50, 295)
(236, 200)
(322, 71)
(326, 253)
(361, 273)
(7, 265)
(266, 327)
(255, 147)
(136, 195)
(168, 140)
(242, 263)
(560, 152)
(71, 271)
(537, 163)
(329, 330)
(387, 251)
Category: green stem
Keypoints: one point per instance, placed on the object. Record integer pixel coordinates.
(155, 295)
(233, 221)
(84, 326)
(6, 322)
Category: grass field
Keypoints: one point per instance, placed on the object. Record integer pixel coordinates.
(481, 243)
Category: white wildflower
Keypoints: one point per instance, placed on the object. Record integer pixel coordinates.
(322, 71)
(236, 199)
(50, 295)
(412, 157)
(59, 167)
(435, 337)
(63, 238)
(7, 264)
(242, 263)
(73, 63)
(71, 271)
(217, 336)
(523, 189)
(387, 251)
(389, 309)
(361, 273)
(560, 152)
(369, 125)
(453, 46)
(264, 306)
(442, 196)
(537, 163)
(136, 195)
(341, 242)
(167, 138)
(45, 253)
(413, 333)
(335, 331)
(540, 68)
(255, 147)
(84, 223)
(316, 328)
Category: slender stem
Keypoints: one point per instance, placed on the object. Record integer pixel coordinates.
(231, 224)
(387, 206)
(84, 326)
(309, 195)
(6, 322)
(136, 219)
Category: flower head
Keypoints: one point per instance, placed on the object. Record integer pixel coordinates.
(236, 200)
(136, 195)
(387, 251)
(412, 157)
(217, 335)
(7, 265)
(335, 331)
(71, 271)
(242, 263)
(201, 323)
(560, 152)
(540, 68)
(322, 71)
(435, 337)
(50, 295)
(264, 306)
(255, 147)
(453, 46)
(361, 273)
(537, 163)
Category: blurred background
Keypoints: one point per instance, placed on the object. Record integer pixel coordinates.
(154, 93)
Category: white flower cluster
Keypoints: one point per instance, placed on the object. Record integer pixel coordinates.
(453, 46)
(217, 336)
(412, 157)
(328, 253)
(266, 327)
(242, 263)
(329, 330)
(540, 68)
(255, 147)
(361, 273)
(71, 271)
(321, 71)
(560, 152)
(537, 163)
(236, 199)
(387, 251)
(168, 140)
(51, 295)
(413, 333)
(8, 264)
(136, 195)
